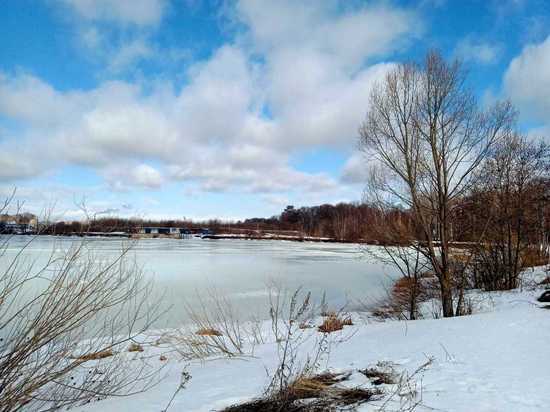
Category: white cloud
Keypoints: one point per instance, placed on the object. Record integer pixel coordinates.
(30, 100)
(237, 119)
(116, 33)
(527, 80)
(91, 37)
(350, 36)
(276, 200)
(117, 54)
(138, 12)
(130, 53)
(316, 82)
(471, 49)
(123, 176)
(355, 170)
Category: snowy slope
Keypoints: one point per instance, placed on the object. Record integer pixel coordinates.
(491, 361)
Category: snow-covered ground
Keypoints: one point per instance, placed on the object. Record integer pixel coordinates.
(496, 360)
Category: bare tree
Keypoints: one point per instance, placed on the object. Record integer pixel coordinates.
(506, 196)
(425, 136)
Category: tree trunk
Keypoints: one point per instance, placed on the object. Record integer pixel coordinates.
(446, 296)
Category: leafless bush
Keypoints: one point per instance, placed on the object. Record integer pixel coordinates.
(400, 250)
(65, 324)
(254, 330)
(215, 328)
(301, 351)
(286, 317)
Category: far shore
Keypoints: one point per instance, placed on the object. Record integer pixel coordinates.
(234, 236)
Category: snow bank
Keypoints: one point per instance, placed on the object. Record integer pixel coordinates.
(492, 361)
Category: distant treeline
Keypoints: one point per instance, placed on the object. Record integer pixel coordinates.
(349, 222)
(344, 222)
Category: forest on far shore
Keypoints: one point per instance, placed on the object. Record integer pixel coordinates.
(356, 222)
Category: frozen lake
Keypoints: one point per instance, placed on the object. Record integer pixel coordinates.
(239, 269)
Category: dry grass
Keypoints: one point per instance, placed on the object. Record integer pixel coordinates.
(379, 377)
(404, 287)
(135, 347)
(331, 324)
(347, 321)
(215, 328)
(328, 313)
(96, 355)
(208, 332)
(309, 387)
(309, 394)
(334, 323)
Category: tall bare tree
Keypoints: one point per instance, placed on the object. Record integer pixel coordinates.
(425, 136)
(507, 195)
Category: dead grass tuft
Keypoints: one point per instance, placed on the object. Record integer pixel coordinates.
(307, 387)
(208, 332)
(333, 324)
(379, 377)
(328, 313)
(135, 347)
(96, 355)
(347, 321)
(357, 396)
(309, 394)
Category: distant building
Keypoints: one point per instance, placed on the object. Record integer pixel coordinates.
(21, 224)
(13, 228)
(157, 230)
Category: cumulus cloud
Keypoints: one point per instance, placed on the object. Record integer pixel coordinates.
(236, 120)
(476, 51)
(527, 80)
(116, 32)
(138, 12)
(129, 53)
(28, 99)
(122, 177)
(317, 84)
(351, 36)
(355, 170)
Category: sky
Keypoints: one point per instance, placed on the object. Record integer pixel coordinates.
(230, 109)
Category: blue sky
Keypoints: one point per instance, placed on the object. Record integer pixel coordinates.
(231, 109)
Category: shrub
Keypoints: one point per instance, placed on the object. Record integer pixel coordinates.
(54, 319)
(215, 329)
